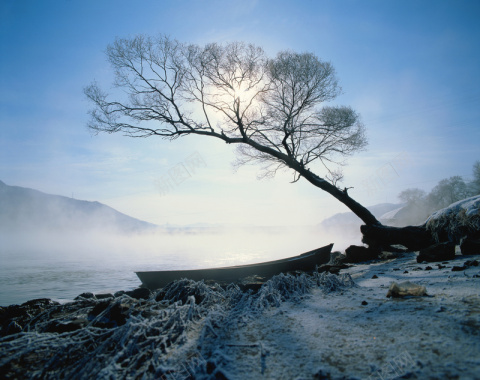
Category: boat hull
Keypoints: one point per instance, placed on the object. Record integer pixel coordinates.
(304, 262)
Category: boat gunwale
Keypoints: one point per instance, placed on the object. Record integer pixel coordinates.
(302, 256)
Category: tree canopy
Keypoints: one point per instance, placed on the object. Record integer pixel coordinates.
(272, 108)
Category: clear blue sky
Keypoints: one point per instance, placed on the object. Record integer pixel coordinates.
(410, 68)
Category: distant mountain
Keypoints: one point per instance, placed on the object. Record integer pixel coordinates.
(31, 209)
(349, 218)
(344, 228)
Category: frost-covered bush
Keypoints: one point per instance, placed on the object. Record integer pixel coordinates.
(281, 288)
(458, 220)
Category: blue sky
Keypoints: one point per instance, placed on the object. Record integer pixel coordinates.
(410, 68)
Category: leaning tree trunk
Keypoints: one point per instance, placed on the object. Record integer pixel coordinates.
(342, 195)
(375, 234)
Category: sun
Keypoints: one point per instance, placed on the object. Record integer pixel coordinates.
(236, 96)
(241, 91)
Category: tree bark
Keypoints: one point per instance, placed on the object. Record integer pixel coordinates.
(342, 195)
(412, 237)
(375, 234)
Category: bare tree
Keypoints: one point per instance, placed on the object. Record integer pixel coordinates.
(271, 108)
(413, 196)
(475, 184)
(447, 191)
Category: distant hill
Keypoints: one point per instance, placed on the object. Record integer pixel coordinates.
(347, 218)
(345, 226)
(31, 209)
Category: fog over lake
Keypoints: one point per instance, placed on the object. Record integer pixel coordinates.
(61, 266)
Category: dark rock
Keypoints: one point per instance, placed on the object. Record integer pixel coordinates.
(405, 272)
(119, 293)
(99, 308)
(428, 268)
(253, 286)
(40, 303)
(471, 263)
(437, 252)
(466, 265)
(108, 314)
(440, 266)
(103, 296)
(374, 277)
(139, 293)
(253, 283)
(86, 295)
(364, 303)
(386, 255)
(119, 314)
(470, 246)
(22, 314)
(358, 254)
(336, 258)
(334, 269)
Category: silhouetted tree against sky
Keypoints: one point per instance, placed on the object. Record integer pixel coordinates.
(413, 196)
(475, 184)
(271, 108)
(448, 191)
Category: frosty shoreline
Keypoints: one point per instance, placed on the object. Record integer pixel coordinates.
(304, 327)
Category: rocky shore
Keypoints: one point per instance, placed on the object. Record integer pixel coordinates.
(304, 326)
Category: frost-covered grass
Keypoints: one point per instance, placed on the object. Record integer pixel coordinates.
(157, 338)
(356, 332)
(295, 327)
(456, 221)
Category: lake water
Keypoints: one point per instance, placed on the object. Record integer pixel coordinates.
(62, 266)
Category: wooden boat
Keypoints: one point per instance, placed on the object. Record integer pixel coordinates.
(304, 262)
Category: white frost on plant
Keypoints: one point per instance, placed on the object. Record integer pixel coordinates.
(159, 339)
(457, 220)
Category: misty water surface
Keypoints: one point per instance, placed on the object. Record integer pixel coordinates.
(61, 266)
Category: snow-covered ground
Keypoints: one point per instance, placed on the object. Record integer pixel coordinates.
(304, 327)
(360, 333)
